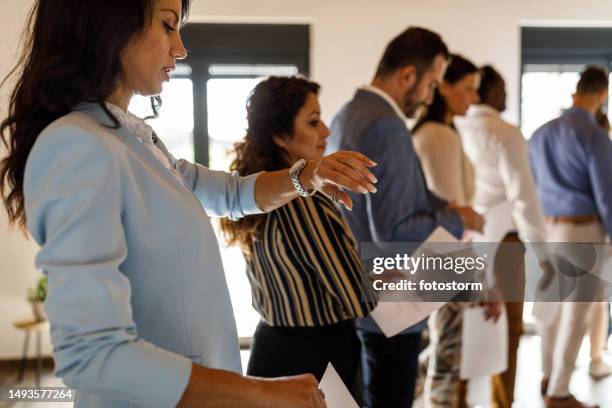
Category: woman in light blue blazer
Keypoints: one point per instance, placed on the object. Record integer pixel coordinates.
(139, 309)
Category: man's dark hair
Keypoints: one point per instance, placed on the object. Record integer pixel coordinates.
(415, 46)
(593, 79)
(490, 79)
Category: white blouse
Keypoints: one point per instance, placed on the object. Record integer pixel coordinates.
(448, 171)
(145, 133)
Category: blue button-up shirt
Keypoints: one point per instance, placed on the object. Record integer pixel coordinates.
(571, 158)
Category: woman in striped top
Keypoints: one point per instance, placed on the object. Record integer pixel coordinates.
(307, 279)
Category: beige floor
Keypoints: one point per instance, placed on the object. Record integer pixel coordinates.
(527, 393)
(583, 387)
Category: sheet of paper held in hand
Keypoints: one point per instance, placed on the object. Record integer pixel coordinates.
(336, 393)
(498, 222)
(395, 317)
(484, 344)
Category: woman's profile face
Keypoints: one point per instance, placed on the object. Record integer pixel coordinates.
(309, 133)
(460, 95)
(150, 57)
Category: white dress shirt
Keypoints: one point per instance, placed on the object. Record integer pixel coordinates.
(448, 171)
(503, 171)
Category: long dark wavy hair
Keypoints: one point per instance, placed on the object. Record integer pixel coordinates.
(71, 52)
(271, 110)
(458, 68)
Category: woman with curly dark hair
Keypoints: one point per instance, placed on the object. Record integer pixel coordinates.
(137, 300)
(307, 280)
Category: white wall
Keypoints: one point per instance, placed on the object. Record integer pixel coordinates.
(17, 272)
(348, 37)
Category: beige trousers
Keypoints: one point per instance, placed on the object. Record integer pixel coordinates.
(562, 339)
(599, 330)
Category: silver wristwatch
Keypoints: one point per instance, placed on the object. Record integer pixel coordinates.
(294, 174)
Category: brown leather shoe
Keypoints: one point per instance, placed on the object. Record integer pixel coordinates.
(544, 386)
(569, 402)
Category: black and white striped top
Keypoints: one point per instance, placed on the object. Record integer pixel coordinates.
(305, 269)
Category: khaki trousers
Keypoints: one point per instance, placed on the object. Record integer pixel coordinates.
(562, 339)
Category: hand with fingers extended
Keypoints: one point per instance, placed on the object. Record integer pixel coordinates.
(337, 171)
(301, 391)
(471, 219)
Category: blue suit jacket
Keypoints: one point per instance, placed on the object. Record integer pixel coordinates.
(403, 209)
(136, 285)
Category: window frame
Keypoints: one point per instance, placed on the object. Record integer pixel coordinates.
(563, 46)
(232, 44)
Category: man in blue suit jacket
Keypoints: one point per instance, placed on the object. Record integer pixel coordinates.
(403, 210)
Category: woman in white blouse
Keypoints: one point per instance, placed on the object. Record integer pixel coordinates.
(448, 171)
(450, 175)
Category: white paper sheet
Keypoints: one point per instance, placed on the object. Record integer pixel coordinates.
(480, 392)
(484, 344)
(395, 317)
(336, 393)
(498, 222)
(440, 234)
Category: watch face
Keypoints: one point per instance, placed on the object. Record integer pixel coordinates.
(298, 165)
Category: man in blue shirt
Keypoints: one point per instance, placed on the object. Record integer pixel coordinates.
(403, 209)
(571, 158)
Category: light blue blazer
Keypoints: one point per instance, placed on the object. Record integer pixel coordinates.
(136, 284)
